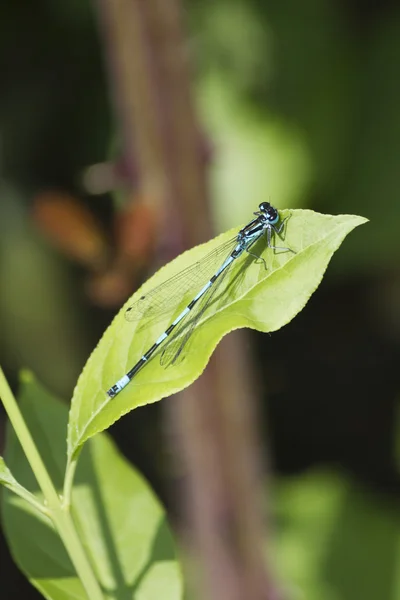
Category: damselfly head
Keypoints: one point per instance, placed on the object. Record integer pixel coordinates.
(269, 213)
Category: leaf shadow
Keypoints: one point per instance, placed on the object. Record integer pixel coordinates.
(230, 288)
(160, 548)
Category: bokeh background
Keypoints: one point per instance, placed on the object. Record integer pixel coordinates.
(299, 104)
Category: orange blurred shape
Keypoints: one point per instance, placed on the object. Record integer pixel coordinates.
(71, 228)
(109, 289)
(136, 230)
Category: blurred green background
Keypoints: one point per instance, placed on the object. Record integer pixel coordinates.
(300, 104)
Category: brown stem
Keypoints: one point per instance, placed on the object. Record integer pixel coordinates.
(214, 419)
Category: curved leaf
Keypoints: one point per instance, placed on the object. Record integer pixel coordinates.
(255, 297)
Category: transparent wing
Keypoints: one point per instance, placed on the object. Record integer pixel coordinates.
(172, 352)
(161, 299)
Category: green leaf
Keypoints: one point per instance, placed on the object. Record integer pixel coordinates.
(253, 297)
(6, 477)
(120, 521)
(255, 150)
(336, 539)
(9, 481)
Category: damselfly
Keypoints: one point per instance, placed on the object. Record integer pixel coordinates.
(206, 276)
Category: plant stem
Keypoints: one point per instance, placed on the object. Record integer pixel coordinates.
(61, 518)
(68, 481)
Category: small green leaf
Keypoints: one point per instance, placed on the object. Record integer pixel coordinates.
(119, 520)
(6, 477)
(252, 297)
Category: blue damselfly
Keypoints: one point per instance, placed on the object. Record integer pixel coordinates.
(207, 277)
